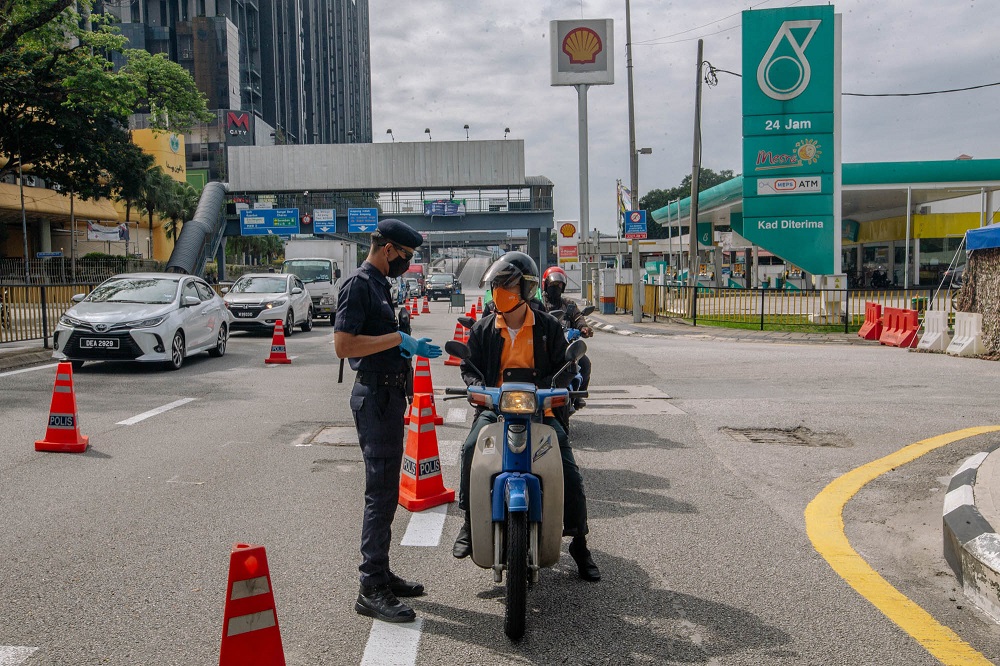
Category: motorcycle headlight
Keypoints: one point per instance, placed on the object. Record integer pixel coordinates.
(146, 323)
(275, 304)
(518, 402)
(72, 322)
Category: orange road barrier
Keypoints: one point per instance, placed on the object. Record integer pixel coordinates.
(459, 337)
(909, 325)
(872, 328)
(427, 307)
(250, 633)
(890, 327)
(63, 432)
(421, 485)
(278, 352)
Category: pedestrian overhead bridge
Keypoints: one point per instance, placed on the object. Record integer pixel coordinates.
(479, 186)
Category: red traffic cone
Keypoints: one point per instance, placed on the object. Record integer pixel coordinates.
(414, 310)
(421, 485)
(479, 303)
(427, 307)
(453, 360)
(250, 633)
(278, 353)
(63, 433)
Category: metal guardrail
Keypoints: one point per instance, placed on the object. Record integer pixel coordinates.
(59, 270)
(31, 312)
(762, 308)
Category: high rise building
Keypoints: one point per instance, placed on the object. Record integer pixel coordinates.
(285, 71)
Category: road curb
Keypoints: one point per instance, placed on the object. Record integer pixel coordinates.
(16, 359)
(971, 544)
(720, 334)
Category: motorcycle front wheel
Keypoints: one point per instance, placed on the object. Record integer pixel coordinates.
(517, 574)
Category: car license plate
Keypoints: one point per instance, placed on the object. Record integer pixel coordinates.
(244, 314)
(99, 343)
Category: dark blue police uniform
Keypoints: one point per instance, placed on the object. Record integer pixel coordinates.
(378, 401)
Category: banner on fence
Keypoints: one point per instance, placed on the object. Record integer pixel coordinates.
(100, 232)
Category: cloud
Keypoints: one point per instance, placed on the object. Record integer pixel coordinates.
(444, 63)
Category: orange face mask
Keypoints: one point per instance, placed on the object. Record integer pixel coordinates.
(505, 300)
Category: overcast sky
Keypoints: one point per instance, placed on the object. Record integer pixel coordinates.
(446, 63)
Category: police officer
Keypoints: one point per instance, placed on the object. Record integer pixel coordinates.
(367, 333)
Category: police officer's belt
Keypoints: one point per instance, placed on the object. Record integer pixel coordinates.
(382, 379)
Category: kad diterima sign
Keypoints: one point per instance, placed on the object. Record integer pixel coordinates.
(791, 150)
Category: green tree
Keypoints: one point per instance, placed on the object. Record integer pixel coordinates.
(155, 197)
(166, 90)
(180, 208)
(656, 199)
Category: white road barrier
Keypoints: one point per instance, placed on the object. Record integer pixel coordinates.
(936, 336)
(968, 340)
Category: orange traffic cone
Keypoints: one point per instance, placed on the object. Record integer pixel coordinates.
(478, 310)
(427, 307)
(479, 304)
(250, 633)
(421, 485)
(423, 384)
(414, 310)
(278, 354)
(63, 433)
(459, 337)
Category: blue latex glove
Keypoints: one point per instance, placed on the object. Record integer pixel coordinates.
(411, 347)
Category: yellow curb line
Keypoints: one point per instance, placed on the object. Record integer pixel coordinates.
(825, 526)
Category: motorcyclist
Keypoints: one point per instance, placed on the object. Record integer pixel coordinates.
(554, 282)
(518, 336)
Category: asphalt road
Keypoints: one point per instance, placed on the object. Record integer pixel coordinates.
(120, 555)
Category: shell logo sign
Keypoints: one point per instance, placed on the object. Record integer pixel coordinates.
(582, 52)
(567, 230)
(582, 46)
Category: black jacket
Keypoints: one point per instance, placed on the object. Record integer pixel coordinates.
(486, 345)
(572, 316)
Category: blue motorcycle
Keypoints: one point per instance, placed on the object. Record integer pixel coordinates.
(516, 484)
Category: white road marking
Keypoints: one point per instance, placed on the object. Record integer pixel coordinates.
(456, 415)
(13, 655)
(154, 412)
(393, 644)
(17, 372)
(177, 477)
(425, 527)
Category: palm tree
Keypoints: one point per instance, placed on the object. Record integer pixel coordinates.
(156, 193)
(180, 208)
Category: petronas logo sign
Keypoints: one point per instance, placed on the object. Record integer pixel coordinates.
(784, 71)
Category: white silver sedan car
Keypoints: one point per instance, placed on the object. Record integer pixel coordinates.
(161, 317)
(257, 300)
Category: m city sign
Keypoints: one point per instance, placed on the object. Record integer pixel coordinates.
(791, 146)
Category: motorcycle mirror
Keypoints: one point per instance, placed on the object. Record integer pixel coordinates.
(457, 349)
(576, 350)
(466, 321)
(589, 310)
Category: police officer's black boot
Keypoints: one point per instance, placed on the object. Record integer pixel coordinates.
(463, 544)
(404, 588)
(380, 603)
(584, 562)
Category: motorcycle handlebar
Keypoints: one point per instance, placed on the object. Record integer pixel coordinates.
(579, 394)
(456, 391)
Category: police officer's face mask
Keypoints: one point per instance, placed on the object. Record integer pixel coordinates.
(399, 265)
(506, 300)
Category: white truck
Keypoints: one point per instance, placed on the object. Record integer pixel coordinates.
(321, 263)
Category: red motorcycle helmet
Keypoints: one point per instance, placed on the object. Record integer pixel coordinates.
(555, 275)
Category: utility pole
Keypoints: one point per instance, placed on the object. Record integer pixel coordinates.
(581, 92)
(633, 159)
(695, 176)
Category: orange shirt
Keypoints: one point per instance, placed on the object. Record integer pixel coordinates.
(519, 353)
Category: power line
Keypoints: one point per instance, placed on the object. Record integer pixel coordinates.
(656, 40)
(712, 79)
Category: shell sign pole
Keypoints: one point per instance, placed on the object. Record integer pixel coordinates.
(583, 56)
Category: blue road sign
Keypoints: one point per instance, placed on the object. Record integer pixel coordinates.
(362, 220)
(269, 222)
(635, 224)
(48, 255)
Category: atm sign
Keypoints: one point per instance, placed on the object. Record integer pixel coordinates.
(766, 186)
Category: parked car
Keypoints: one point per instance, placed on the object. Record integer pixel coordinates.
(257, 300)
(441, 285)
(163, 317)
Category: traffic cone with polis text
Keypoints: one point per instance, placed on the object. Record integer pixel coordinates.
(421, 485)
(278, 351)
(63, 432)
(250, 632)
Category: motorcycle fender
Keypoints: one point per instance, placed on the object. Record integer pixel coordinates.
(517, 494)
(487, 463)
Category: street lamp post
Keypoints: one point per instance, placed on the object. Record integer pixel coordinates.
(633, 166)
(427, 131)
(389, 132)
(466, 132)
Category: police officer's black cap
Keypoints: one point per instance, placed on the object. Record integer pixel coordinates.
(400, 232)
